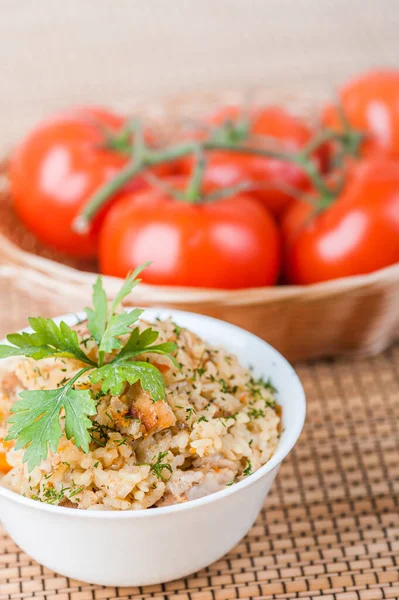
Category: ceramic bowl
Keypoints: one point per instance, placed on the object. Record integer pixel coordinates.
(143, 547)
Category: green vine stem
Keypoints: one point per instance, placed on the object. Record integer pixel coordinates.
(148, 158)
(194, 189)
(145, 158)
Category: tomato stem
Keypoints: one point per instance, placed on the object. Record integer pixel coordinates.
(321, 138)
(139, 149)
(305, 164)
(194, 189)
(121, 140)
(232, 132)
(82, 222)
(145, 158)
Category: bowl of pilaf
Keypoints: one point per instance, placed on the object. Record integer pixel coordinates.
(138, 447)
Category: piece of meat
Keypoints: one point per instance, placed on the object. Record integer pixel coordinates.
(177, 487)
(212, 482)
(67, 503)
(214, 461)
(154, 416)
(10, 386)
(197, 483)
(10, 383)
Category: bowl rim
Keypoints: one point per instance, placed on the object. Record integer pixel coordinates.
(276, 459)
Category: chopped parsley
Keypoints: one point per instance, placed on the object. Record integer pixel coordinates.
(199, 371)
(176, 329)
(255, 387)
(203, 418)
(77, 491)
(226, 389)
(100, 433)
(189, 412)
(50, 495)
(256, 413)
(158, 467)
(248, 470)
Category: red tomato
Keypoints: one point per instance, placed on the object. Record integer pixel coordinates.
(371, 105)
(57, 168)
(357, 234)
(273, 179)
(230, 243)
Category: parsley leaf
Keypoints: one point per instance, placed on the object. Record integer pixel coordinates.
(115, 375)
(106, 326)
(139, 340)
(23, 346)
(139, 343)
(130, 282)
(118, 325)
(97, 316)
(35, 422)
(48, 339)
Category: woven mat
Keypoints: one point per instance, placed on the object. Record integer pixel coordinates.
(329, 528)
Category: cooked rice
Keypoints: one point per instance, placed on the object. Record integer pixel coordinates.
(217, 426)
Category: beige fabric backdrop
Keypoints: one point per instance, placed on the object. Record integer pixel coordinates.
(56, 52)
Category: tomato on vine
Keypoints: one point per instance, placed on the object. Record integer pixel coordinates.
(357, 233)
(228, 243)
(273, 181)
(59, 165)
(370, 105)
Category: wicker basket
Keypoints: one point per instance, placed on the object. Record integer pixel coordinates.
(355, 315)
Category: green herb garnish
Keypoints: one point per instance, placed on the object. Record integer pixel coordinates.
(248, 470)
(256, 413)
(226, 389)
(204, 419)
(189, 412)
(158, 467)
(35, 422)
(255, 386)
(176, 329)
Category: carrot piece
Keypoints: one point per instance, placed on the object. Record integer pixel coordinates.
(161, 367)
(4, 466)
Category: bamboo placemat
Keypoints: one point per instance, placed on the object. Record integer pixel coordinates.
(330, 527)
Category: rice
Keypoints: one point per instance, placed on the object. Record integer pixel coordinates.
(217, 426)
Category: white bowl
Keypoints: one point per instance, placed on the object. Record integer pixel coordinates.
(130, 548)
